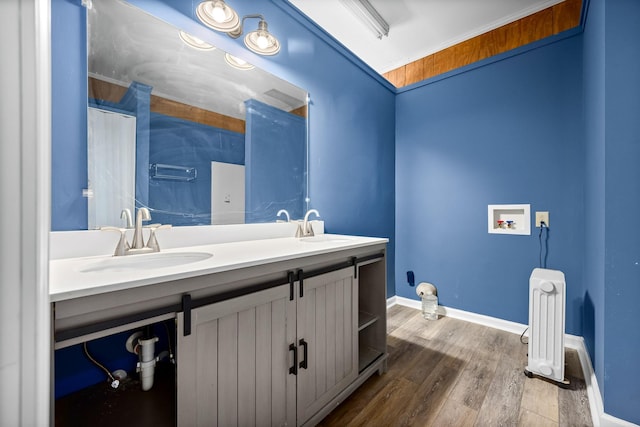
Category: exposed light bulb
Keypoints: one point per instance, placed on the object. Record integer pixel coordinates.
(240, 61)
(217, 13)
(262, 41)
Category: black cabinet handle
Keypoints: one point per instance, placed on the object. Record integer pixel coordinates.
(291, 280)
(294, 369)
(304, 344)
(301, 280)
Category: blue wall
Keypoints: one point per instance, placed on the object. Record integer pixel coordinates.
(622, 206)
(69, 115)
(275, 162)
(508, 132)
(594, 268)
(180, 142)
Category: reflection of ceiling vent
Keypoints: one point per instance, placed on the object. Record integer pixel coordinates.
(283, 97)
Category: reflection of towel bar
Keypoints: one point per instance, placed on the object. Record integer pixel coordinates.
(171, 172)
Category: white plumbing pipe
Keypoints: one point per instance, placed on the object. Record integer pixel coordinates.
(147, 361)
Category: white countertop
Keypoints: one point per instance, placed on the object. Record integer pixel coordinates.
(67, 281)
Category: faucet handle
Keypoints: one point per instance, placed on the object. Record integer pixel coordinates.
(123, 244)
(152, 243)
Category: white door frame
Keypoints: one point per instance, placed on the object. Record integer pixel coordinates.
(25, 179)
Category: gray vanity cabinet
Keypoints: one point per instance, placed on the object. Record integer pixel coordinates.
(254, 359)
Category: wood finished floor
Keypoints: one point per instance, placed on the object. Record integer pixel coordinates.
(453, 373)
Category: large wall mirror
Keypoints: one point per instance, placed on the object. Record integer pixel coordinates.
(180, 127)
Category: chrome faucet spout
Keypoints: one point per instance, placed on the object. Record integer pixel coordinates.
(284, 211)
(126, 215)
(138, 240)
(307, 228)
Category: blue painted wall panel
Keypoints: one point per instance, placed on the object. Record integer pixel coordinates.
(69, 115)
(595, 218)
(275, 159)
(622, 186)
(508, 132)
(183, 143)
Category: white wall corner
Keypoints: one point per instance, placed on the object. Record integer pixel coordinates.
(598, 416)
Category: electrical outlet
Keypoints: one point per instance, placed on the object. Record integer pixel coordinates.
(542, 217)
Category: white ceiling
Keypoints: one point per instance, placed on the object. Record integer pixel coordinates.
(417, 27)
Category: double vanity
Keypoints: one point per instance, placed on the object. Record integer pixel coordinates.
(270, 331)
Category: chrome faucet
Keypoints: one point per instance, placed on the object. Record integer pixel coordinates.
(284, 211)
(137, 246)
(307, 229)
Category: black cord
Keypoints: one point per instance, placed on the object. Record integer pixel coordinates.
(543, 226)
(546, 246)
(522, 336)
(540, 243)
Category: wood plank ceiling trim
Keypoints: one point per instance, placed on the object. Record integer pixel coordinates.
(550, 21)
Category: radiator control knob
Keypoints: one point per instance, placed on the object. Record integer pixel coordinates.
(547, 287)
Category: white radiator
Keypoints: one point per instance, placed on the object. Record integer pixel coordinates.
(547, 294)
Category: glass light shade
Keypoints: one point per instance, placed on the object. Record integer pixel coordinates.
(238, 63)
(195, 42)
(217, 15)
(261, 41)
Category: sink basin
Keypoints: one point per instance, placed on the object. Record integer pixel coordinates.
(145, 262)
(324, 238)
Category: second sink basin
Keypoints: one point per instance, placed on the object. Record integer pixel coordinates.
(145, 261)
(324, 238)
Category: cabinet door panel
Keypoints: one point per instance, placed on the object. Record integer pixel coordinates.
(247, 360)
(233, 368)
(327, 321)
(264, 359)
(227, 368)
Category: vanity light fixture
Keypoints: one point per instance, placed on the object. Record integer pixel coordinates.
(216, 14)
(238, 63)
(364, 11)
(195, 42)
(259, 41)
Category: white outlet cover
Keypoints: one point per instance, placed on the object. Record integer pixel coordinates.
(542, 216)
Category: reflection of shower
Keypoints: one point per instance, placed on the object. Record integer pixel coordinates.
(111, 148)
(547, 293)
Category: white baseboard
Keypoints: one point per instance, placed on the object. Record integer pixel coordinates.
(598, 416)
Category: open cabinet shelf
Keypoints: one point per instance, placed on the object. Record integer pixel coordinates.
(372, 315)
(366, 319)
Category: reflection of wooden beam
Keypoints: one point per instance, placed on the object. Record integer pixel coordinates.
(300, 111)
(195, 114)
(100, 89)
